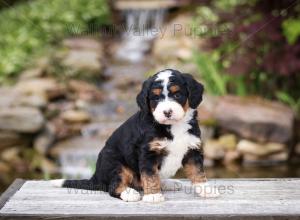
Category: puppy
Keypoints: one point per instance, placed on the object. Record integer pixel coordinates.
(153, 144)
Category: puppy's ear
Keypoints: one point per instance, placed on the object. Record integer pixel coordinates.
(142, 97)
(195, 90)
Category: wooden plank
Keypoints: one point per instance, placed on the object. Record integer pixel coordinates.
(14, 187)
(241, 199)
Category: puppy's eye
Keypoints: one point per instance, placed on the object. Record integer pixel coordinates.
(177, 95)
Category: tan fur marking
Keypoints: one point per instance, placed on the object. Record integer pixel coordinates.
(151, 183)
(174, 89)
(126, 179)
(156, 91)
(194, 173)
(186, 106)
(158, 145)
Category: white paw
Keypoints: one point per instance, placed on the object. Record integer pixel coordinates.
(206, 190)
(153, 198)
(171, 185)
(130, 195)
(57, 183)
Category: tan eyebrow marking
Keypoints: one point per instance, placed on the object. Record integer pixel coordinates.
(174, 89)
(157, 91)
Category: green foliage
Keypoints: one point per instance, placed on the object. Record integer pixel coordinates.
(28, 28)
(289, 100)
(291, 29)
(215, 81)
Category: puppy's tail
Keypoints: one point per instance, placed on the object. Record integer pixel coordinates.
(88, 184)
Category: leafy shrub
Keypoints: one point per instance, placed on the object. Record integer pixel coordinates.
(28, 28)
(258, 54)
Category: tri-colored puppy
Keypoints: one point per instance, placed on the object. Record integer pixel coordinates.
(153, 144)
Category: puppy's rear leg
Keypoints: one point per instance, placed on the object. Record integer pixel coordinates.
(119, 186)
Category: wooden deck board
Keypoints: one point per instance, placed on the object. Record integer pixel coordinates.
(240, 198)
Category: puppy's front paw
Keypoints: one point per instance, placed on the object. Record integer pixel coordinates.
(154, 198)
(206, 190)
(130, 195)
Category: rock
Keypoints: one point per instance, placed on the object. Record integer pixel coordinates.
(206, 110)
(76, 143)
(4, 167)
(85, 90)
(274, 158)
(32, 73)
(83, 60)
(248, 147)
(48, 167)
(21, 119)
(297, 149)
(232, 156)
(11, 154)
(213, 150)
(228, 141)
(7, 96)
(48, 88)
(255, 118)
(206, 133)
(84, 44)
(75, 116)
(65, 130)
(10, 139)
(31, 101)
(45, 139)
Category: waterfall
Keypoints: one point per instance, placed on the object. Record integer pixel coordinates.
(140, 31)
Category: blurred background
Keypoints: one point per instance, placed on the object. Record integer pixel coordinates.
(70, 71)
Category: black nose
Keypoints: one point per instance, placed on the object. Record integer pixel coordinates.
(168, 113)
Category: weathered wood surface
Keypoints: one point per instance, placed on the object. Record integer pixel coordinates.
(240, 199)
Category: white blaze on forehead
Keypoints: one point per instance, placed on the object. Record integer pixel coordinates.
(164, 76)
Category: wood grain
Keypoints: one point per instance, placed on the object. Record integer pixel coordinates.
(240, 199)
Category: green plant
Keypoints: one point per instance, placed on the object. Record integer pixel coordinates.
(289, 100)
(215, 82)
(28, 28)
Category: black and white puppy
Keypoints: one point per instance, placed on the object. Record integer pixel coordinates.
(153, 144)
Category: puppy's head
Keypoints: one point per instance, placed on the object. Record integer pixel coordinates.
(168, 95)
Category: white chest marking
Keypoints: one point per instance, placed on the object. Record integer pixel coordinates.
(177, 148)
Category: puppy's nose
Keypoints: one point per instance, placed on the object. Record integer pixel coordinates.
(168, 113)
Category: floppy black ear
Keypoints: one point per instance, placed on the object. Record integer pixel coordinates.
(142, 97)
(195, 90)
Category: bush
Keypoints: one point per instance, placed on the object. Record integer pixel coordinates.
(28, 28)
(259, 54)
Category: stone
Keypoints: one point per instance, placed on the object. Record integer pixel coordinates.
(45, 87)
(76, 143)
(256, 149)
(228, 141)
(273, 158)
(85, 90)
(84, 44)
(255, 118)
(4, 167)
(45, 139)
(48, 166)
(10, 139)
(10, 154)
(232, 156)
(213, 150)
(65, 130)
(297, 149)
(206, 133)
(83, 60)
(21, 119)
(206, 110)
(75, 116)
(31, 101)
(32, 73)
